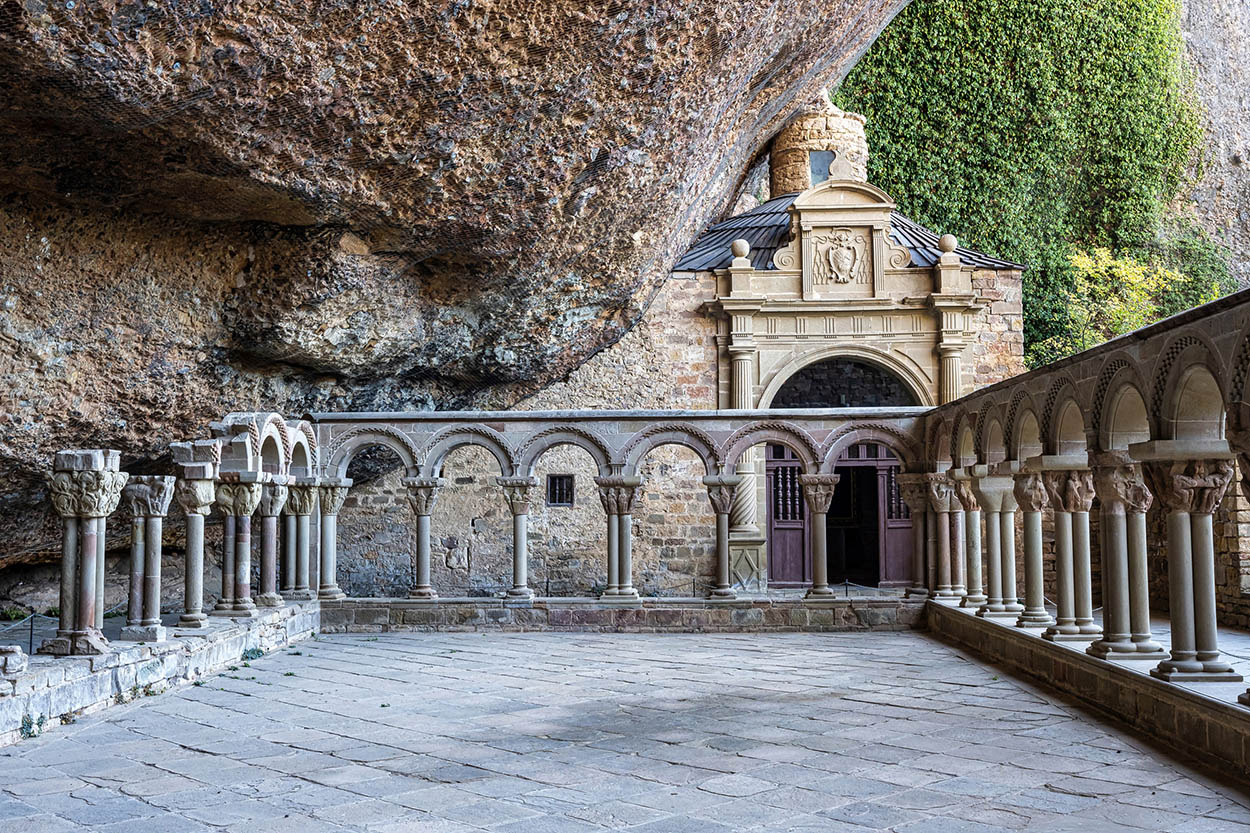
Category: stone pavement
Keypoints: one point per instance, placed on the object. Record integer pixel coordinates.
(565, 732)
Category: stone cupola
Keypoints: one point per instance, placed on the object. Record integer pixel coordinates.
(821, 143)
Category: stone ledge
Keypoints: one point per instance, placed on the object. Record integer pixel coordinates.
(62, 688)
(642, 616)
(1203, 724)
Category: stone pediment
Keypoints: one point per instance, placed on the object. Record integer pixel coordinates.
(844, 193)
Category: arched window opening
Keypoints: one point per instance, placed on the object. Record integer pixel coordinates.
(844, 383)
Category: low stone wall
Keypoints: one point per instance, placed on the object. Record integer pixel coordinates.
(649, 615)
(56, 690)
(1207, 726)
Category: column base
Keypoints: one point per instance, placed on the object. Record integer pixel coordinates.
(1034, 619)
(304, 595)
(627, 594)
(820, 592)
(997, 611)
(1180, 676)
(915, 591)
(427, 593)
(1123, 649)
(245, 610)
(143, 633)
(226, 611)
(330, 594)
(270, 600)
(76, 643)
(1068, 636)
(192, 620)
(520, 593)
(973, 601)
(724, 594)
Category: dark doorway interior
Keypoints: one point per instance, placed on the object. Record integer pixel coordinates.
(853, 535)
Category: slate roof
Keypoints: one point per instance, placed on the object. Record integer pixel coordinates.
(767, 225)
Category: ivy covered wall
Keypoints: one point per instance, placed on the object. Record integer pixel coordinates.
(1036, 130)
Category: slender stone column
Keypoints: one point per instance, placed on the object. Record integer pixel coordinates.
(516, 491)
(1007, 551)
(1030, 495)
(197, 463)
(609, 499)
(1189, 491)
(992, 491)
(957, 544)
(290, 539)
(272, 499)
(238, 495)
(1071, 492)
(1123, 500)
(818, 493)
(332, 493)
(975, 595)
(300, 501)
(721, 494)
(148, 498)
(422, 496)
(941, 494)
(85, 487)
(915, 494)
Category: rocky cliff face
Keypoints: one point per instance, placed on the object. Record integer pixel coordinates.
(212, 205)
(1217, 35)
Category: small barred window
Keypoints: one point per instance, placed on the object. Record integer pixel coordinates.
(559, 490)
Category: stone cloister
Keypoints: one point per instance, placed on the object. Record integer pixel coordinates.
(1158, 417)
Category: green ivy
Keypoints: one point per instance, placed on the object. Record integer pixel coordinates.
(1035, 129)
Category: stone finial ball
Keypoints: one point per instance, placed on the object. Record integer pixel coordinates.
(948, 242)
(740, 248)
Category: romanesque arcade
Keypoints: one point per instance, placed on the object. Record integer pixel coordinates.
(1160, 416)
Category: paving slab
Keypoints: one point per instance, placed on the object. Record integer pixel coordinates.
(587, 732)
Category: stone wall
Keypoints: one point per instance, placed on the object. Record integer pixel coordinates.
(998, 352)
(667, 361)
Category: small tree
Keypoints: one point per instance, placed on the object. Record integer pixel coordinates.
(1111, 296)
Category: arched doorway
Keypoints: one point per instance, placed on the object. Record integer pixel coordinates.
(868, 526)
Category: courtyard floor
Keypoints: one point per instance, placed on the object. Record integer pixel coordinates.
(571, 733)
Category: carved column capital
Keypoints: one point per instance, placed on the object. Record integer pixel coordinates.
(1195, 486)
(939, 491)
(617, 493)
(721, 489)
(1071, 490)
(238, 499)
(149, 495)
(1119, 484)
(964, 495)
(1029, 491)
(273, 497)
(422, 493)
(818, 490)
(914, 491)
(300, 499)
(195, 497)
(86, 494)
(516, 492)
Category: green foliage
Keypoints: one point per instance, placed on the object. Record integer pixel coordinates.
(12, 614)
(1035, 129)
(253, 653)
(1112, 296)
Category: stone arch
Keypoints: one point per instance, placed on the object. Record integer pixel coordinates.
(963, 440)
(867, 432)
(449, 439)
(347, 445)
(302, 449)
(938, 446)
(1119, 413)
(539, 443)
(909, 376)
(1022, 413)
(982, 422)
(994, 441)
(668, 433)
(1187, 399)
(782, 433)
(252, 441)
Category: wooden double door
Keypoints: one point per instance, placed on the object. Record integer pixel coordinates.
(868, 526)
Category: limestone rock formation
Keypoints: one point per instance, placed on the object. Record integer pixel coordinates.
(219, 205)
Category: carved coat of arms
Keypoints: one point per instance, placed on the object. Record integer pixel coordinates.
(841, 257)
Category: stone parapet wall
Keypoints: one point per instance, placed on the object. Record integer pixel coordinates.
(53, 690)
(1202, 725)
(658, 615)
(998, 351)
